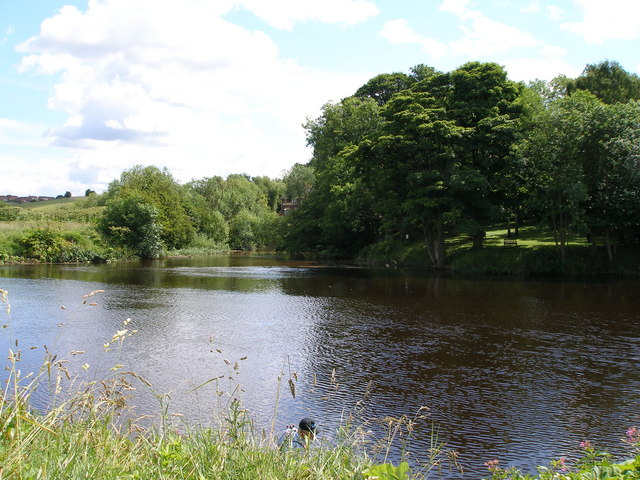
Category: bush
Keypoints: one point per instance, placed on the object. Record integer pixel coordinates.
(130, 222)
(53, 247)
(9, 214)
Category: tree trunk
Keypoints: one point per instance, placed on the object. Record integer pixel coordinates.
(435, 246)
(607, 239)
(478, 239)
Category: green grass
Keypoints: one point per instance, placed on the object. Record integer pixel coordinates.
(69, 222)
(535, 254)
(49, 205)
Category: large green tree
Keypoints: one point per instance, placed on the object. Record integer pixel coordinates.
(336, 216)
(131, 221)
(552, 152)
(158, 189)
(439, 164)
(608, 81)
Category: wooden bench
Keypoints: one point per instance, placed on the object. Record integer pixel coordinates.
(510, 241)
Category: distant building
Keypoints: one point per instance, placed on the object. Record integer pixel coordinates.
(30, 198)
(288, 207)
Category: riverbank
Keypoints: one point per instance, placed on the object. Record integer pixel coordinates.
(64, 231)
(531, 253)
(86, 437)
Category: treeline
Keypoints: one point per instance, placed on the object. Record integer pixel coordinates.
(415, 158)
(430, 155)
(148, 212)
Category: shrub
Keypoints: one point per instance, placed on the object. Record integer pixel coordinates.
(130, 222)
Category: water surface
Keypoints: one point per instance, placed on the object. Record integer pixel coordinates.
(516, 370)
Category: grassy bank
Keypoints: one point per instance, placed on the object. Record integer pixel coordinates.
(59, 231)
(64, 231)
(532, 253)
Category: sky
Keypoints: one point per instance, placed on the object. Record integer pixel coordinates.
(90, 88)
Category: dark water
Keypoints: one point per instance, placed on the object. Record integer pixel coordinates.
(516, 370)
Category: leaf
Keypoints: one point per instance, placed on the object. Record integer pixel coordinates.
(387, 471)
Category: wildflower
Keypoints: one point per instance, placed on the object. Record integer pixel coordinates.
(586, 444)
(633, 435)
(562, 464)
(119, 335)
(492, 465)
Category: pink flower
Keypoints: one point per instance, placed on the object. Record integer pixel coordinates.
(586, 444)
(492, 465)
(562, 463)
(632, 435)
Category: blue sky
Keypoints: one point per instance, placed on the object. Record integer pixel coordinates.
(89, 88)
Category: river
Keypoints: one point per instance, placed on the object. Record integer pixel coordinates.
(522, 371)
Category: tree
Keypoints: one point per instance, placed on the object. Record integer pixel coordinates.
(67, 194)
(553, 152)
(613, 174)
(440, 160)
(608, 81)
(130, 221)
(273, 191)
(340, 125)
(336, 217)
(242, 234)
(481, 99)
(158, 189)
(382, 87)
(299, 181)
(410, 166)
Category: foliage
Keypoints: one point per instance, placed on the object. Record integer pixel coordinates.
(608, 81)
(299, 182)
(429, 155)
(8, 213)
(387, 471)
(46, 245)
(130, 222)
(158, 189)
(594, 464)
(336, 218)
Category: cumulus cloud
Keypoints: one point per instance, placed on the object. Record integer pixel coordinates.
(398, 32)
(177, 85)
(482, 37)
(546, 68)
(555, 13)
(533, 7)
(283, 14)
(602, 21)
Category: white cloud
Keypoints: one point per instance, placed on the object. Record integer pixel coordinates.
(20, 134)
(178, 86)
(555, 13)
(527, 69)
(283, 14)
(460, 8)
(533, 7)
(398, 32)
(483, 36)
(613, 19)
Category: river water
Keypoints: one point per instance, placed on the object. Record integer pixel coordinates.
(522, 371)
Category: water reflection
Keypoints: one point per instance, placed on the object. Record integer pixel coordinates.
(521, 371)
